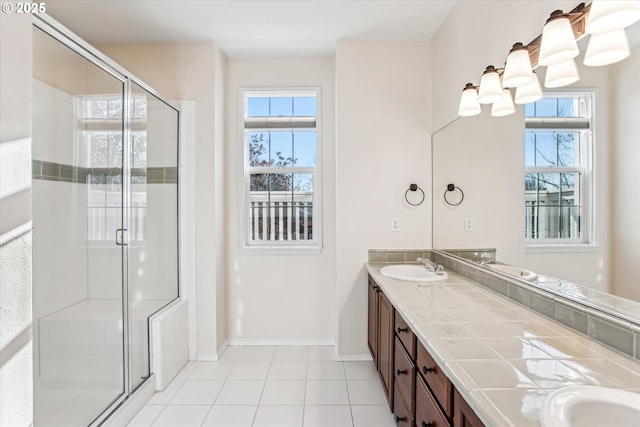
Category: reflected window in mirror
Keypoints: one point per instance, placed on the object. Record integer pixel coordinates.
(558, 176)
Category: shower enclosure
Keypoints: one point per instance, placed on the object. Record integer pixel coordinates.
(105, 227)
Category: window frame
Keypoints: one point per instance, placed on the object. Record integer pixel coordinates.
(586, 168)
(284, 247)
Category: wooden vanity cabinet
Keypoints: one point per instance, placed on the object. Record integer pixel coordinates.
(405, 379)
(380, 336)
(385, 344)
(463, 414)
(418, 392)
(372, 319)
(436, 380)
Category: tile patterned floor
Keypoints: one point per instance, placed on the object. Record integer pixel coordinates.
(271, 386)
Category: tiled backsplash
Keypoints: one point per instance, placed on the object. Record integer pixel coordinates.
(68, 173)
(617, 333)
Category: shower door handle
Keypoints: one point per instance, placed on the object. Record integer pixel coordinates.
(119, 236)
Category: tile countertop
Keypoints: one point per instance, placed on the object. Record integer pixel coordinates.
(503, 358)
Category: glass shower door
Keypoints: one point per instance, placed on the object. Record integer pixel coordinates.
(79, 257)
(153, 234)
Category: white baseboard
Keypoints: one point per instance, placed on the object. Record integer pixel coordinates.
(365, 357)
(235, 341)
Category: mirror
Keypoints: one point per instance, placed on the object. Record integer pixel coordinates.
(484, 157)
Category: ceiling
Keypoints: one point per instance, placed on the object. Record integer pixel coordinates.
(253, 28)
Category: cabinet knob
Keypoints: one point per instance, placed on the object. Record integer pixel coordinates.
(400, 419)
(401, 372)
(401, 329)
(424, 424)
(426, 370)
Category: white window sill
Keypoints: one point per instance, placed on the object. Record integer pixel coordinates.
(280, 250)
(560, 248)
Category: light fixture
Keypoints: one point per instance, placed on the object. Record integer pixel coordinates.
(561, 74)
(469, 105)
(606, 48)
(610, 15)
(517, 71)
(504, 106)
(558, 42)
(531, 92)
(490, 88)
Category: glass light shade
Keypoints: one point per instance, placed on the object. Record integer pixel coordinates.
(490, 88)
(558, 41)
(504, 106)
(609, 15)
(562, 74)
(469, 105)
(606, 48)
(517, 71)
(531, 92)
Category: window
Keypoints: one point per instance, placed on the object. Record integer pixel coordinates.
(558, 140)
(280, 164)
(100, 137)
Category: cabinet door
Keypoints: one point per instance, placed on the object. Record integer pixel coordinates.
(373, 320)
(463, 415)
(428, 413)
(436, 380)
(385, 344)
(405, 372)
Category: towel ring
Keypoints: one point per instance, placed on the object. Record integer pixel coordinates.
(451, 188)
(414, 187)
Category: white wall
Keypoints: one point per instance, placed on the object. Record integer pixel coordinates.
(625, 181)
(383, 144)
(191, 71)
(476, 154)
(16, 400)
(280, 298)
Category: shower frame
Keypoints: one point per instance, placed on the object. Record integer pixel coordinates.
(72, 41)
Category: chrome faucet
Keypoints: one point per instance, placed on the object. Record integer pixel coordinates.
(487, 259)
(431, 266)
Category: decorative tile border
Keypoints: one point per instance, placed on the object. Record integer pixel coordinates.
(77, 174)
(617, 333)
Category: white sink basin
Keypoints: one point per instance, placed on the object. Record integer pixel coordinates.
(515, 271)
(591, 406)
(412, 273)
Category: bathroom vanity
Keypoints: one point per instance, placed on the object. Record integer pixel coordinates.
(455, 353)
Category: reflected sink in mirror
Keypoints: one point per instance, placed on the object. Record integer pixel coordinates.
(512, 270)
(591, 406)
(412, 273)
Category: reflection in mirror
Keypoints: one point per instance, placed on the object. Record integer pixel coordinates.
(494, 163)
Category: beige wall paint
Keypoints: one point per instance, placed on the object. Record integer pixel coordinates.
(383, 144)
(16, 359)
(280, 298)
(477, 154)
(461, 33)
(625, 180)
(477, 34)
(192, 71)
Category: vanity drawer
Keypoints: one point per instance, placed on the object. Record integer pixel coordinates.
(428, 412)
(401, 414)
(436, 380)
(406, 336)
(405, 373)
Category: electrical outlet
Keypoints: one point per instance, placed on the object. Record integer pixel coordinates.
(468, 224)
(395, 224)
